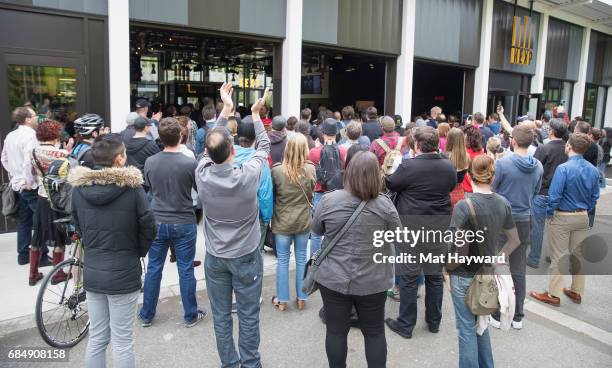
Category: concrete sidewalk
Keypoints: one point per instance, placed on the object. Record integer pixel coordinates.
(568, 336)
(297, 339)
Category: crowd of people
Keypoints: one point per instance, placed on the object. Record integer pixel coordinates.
(311, 182)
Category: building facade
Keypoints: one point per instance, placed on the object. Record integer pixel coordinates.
(402, 56)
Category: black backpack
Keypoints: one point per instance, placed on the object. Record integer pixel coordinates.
(329, 169)
(55, 182)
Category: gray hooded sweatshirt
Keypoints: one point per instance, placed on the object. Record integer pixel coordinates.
(518, 179)
(229, 199)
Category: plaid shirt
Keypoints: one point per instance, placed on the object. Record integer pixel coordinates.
(391, 139)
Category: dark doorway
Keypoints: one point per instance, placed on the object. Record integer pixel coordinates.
(335, 79)
(437, 85)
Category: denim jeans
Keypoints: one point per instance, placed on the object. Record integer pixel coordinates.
(244, 275)
(27, 208)
(474, 350)
(538, 219)
(283, 251)
(111, 319)
(602, 174)
(518, 267)
(315, 240)
(183, 237)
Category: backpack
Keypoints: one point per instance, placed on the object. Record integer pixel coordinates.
(329, 169)
(59, 191)
(390, 155)
(79, 156)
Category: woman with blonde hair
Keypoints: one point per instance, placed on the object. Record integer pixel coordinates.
(294, 181)
(443, 129)
(488, 212)
(494, 148)
(456, 152)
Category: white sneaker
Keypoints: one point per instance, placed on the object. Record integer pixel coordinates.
(517, 325)
(494, 323)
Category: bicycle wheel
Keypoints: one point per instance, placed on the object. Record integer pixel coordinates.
(61, 309)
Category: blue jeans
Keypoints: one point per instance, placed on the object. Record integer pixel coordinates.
(244, 275)
(27, 208)
(315, 240)
(283, 251)
(602, 174)
(183, 237)
(474, 350)
(538, 219)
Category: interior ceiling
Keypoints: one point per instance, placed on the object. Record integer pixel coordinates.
(597, 11)
(209, 50)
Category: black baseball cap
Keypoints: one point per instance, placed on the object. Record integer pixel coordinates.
(140, 123)
(142, 102)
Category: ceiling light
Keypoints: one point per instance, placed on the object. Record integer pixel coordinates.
(338, 57)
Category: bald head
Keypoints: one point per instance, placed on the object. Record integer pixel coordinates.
(219, 144)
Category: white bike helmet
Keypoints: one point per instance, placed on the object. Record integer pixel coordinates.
(88, 123)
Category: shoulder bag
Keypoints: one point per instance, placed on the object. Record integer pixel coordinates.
(482, 297)
(312, 266)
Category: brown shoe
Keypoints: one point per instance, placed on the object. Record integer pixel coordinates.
(301, 304)
(575, 297)
(197, 263)
(279, 305)
(545, 298)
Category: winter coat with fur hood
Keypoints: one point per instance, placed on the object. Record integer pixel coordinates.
(116, 225)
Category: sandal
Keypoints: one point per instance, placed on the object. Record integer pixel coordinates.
(281, 306)
(301, 304)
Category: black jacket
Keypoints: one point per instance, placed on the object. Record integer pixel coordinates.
(112, 216)
(138, 150)
(551, 155)
(278, 142)
(423, 185)
(372, 130)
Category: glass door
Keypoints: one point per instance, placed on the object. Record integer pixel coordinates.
(504, 98)
(52, 86)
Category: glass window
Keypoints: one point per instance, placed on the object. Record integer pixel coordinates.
(46, 88)
(595, 104)
(556, 92)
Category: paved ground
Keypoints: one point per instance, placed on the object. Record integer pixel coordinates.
(296, 338)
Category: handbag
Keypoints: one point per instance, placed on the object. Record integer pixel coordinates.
(482, 297)
(10, 203)
(312, 266)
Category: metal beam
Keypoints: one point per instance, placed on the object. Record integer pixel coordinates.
(571, 4)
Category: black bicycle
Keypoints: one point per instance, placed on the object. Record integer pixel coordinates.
(61, 309)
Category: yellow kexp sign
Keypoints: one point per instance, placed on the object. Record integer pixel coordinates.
(521, 52)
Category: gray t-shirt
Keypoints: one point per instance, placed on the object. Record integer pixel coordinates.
(493, 215)
(170, 177)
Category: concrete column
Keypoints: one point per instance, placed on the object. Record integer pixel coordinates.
(537, 81)
(119, 62)
(292, 60)
(405, 62)
(580, 85)
(481, 75)
(608, 113)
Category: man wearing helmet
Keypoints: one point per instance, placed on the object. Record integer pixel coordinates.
(88, 127)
